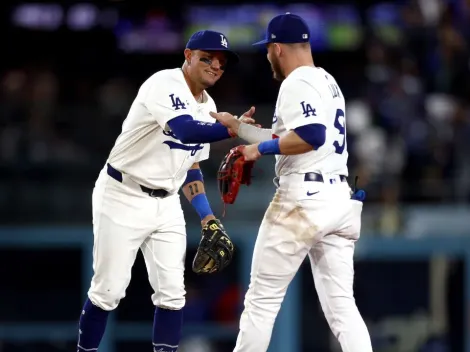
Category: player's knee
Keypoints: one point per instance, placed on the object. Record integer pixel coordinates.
(107, 300)
(255, 316)
(341, 313)
(264, 306)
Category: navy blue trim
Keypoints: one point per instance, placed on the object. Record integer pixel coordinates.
(190, 148)
(315, 177)
(193, 175)
(313, 134)
(114, 173)
(117, 175)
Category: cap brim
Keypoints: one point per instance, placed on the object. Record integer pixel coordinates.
(262, 42)
(233, 57)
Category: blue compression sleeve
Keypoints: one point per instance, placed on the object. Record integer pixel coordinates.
(269, 147)
(201, 204)
(313, 134)
(193, 175)
(188, 130)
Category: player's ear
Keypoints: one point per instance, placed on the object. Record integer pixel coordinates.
(277, 49)
(187, 55)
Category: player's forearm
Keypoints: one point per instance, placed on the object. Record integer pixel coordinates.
(253, 134)
(195, 193)
(301, 140)
(188, 130)
(292, 144)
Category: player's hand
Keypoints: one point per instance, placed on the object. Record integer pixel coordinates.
(215, 251)
(232, 122)
(247, 117)
(251, 152)
(207, 219)
(225, 118)
(228, 120)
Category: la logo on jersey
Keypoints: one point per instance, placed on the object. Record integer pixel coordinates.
(223, 41)
(307, 109)
(176, 102)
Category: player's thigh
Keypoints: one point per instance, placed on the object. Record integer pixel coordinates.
(349, 220)
(164, 252)
(116, 240)
(332, 263)
(280, 248)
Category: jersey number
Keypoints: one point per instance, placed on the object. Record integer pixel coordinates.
(340, 125)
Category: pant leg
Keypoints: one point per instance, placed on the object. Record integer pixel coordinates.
(333, 272)
(164, 252)
(280, 249)
(122, 219)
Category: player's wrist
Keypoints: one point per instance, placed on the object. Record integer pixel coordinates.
(202, 206)
(231, 132)
(207, 219)
(234, 127)
(270, 147)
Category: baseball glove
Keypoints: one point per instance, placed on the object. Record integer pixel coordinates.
(233, 172)
(215, 251)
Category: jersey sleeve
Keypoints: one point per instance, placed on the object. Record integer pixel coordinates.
(204, 155)
(166, 99)
(300, 104)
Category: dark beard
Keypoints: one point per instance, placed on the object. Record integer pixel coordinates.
(277, 73)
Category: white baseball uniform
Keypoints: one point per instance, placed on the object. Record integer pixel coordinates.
(125, 218)
(311, 215)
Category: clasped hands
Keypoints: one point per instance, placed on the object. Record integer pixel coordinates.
(250, 152)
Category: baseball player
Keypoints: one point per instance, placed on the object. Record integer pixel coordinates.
(312, 213)
(135, 200)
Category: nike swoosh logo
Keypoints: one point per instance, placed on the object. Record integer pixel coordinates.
(311, 194)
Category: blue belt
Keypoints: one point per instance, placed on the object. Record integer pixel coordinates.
(155, 193)
(313, 176)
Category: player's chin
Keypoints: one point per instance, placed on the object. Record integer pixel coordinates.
(209, 81)
(277, 77)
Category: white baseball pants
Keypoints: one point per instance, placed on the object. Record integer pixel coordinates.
(313, 219)
(125, 219)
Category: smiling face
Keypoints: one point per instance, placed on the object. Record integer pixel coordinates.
(205, 67)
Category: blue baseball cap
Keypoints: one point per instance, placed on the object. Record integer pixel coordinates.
(208, 40)
(287, 28)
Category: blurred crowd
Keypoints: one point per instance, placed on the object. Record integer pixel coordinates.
(408, 118)
(410, 125)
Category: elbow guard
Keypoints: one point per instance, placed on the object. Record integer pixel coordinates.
(313, 134)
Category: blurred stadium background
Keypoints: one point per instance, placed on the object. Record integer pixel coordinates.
(70, 71)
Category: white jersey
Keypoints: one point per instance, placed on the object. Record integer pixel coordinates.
(311, 95)
(146, 149)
